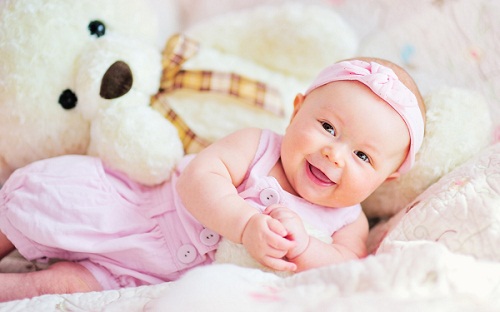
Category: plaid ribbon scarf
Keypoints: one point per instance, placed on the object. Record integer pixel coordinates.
(251, 92)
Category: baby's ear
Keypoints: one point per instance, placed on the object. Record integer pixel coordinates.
(297, 103)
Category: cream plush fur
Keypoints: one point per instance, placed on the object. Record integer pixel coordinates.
(46, 48)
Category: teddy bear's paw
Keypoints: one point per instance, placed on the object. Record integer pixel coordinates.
(137, 141)
(229, 252)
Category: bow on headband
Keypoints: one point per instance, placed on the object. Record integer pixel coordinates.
(179, 49)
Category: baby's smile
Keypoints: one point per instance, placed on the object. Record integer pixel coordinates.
(318, 176)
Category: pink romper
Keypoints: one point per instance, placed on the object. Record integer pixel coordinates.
(73, 208)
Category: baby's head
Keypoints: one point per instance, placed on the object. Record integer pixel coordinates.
(360, 122)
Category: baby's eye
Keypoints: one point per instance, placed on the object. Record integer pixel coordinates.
(362, 156)
(329, 128)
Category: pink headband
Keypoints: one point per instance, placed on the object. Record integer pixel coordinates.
(384, 83)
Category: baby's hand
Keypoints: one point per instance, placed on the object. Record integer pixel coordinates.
(264, 238)
(293, 225)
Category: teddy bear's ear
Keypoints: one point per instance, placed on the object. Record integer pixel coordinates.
(299, 39)
(458, 125)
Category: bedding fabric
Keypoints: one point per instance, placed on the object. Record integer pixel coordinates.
(417, 276)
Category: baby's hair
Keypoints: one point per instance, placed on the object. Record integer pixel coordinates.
(403, 76)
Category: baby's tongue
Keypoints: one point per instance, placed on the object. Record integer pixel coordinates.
(320, 175)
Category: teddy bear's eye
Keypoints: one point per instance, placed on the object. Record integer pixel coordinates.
(68, 99)
(97, 28)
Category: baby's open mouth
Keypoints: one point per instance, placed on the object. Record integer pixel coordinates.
(319, 175)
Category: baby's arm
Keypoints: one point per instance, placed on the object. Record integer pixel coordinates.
(309, 252)
(207, 188)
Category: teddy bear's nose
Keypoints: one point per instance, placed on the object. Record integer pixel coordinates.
(117, 81)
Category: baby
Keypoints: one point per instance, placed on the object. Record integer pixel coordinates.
(360, 123)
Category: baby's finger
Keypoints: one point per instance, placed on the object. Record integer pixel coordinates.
(276, 252)
(280, 243)
(277, 227)
(273, 208)
(281, 213)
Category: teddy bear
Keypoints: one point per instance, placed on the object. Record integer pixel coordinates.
(76, 77)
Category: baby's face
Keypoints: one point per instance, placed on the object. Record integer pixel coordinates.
(343, 141)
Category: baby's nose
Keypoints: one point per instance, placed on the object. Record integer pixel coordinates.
(335, 155)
